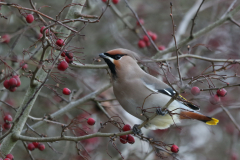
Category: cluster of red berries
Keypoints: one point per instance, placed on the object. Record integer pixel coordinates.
(127, 138)
(145, 42)
(33, 145)
(68, 56)
(174, 148)
(8, 157)
(7, 119)
(214, 99)
(91, 121)
(12, 83)
(63, 65)
(114, 1)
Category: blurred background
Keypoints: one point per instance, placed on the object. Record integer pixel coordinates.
(118, 28)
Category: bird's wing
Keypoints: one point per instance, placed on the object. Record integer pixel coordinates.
(155, 85)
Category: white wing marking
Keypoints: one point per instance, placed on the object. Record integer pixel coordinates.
(151, 87)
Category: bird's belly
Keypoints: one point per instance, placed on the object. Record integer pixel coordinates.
(148, 104)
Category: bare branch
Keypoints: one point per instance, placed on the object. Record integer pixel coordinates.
(231, 117)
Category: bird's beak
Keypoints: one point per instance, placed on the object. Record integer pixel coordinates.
(102, 55)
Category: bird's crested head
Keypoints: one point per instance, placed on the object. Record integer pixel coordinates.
(120, 60)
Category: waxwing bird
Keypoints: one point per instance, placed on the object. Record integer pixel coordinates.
(138, 91)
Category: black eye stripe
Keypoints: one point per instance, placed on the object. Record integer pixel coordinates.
(116, 56)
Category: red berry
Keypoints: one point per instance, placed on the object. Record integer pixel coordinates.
(18, 80)
(115, 1)
(63, 54)
(150, 33)
(154, 36)
(35, 144)
(161, 48)
(221, 92)
(7, 125)
(214, 99)
(31, 147)
(130, 139)
(127, 127)
(12, 83)
(25, 66)
(234, 156)
(42, 28)
(148, 43)
(10, 156)
(68, 60)
(6, 84)
(195, 91)
(141, 22)
(41, 146)
(6, 159)
(66, 91)
(91, 121)
(60, 42)
(145, 38)
(30, 18)
(40, 36)
(7, 118)
(6, 38)
(141, 44)
(46, 31)
(174, 148)
(123, 139)
(13, 89)
(69, 55)
(62, 66)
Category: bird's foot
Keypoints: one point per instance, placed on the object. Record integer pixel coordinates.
(136, 130)
(161, 112)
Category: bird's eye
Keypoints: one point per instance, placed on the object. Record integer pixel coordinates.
(117, 56)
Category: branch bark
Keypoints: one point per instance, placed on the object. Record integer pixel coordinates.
(23, 112)
(104, 66)
(199, 33)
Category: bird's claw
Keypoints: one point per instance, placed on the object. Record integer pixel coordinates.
(136, 130)
(161, 112)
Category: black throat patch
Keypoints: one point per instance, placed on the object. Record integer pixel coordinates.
(111, 67)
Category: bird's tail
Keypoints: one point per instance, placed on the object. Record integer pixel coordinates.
(198, 116)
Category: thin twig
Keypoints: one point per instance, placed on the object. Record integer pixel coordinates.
(173, 34)
(104, 66)
(231, 117)
(234, 21)
(229, 8)
(103, 110)
(28, 151)
(194, 18)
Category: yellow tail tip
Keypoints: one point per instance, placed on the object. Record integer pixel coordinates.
(213, 121)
